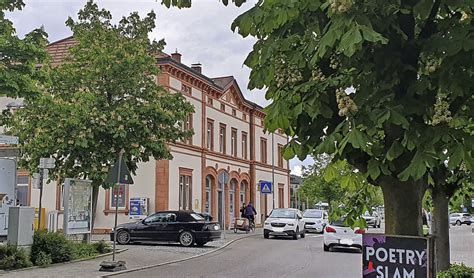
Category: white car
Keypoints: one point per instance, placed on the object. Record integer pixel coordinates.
(284, 222)
(315, 220)
(460, 218)
(338, 234)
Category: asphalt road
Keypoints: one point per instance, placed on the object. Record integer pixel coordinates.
(259, 257)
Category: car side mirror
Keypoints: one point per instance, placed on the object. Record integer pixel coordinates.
(144, 222)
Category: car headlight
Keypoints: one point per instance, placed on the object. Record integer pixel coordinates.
(291, 224)
(216, 227)
(267, 223)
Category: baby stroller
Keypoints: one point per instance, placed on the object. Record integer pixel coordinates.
(241, 224)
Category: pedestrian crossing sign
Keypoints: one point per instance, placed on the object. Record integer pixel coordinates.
(265, 187)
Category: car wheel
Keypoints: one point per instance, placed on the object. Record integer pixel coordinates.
(266, 235)
(458, 223)
(326, 248)
(295, 236)
(186, 239)
(303, 234)
(200, 243)
(123, 237)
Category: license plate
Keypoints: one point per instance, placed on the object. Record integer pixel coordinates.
(278, 230)
(347, 241)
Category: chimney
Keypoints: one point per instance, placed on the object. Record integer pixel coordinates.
(197, 67)
(176, 56)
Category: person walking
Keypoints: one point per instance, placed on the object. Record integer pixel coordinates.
(250, 213)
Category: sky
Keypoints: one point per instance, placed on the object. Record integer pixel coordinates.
(201, 34)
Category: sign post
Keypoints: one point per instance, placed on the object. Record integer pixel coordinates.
(45, 164)
(266, 187)
(118, 174)
(385, 256)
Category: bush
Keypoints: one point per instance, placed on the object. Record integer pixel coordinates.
(457, 271)
(43, 259)
(84, 250)
(12, 257)
(55, 245)
(102, 247)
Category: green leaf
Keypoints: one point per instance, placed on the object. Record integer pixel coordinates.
(370, 35)
(399, 119)
(351, 41)
(395, 151)
(456, 157)
(416, 169)
(357, 139)
(373, 169)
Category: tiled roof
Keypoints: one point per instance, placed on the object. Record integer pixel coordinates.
(223, 81)
(59, 49)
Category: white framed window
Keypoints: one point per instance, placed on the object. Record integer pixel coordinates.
(185, 186)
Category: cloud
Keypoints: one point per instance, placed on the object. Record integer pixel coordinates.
(201, 34)
(297, 170)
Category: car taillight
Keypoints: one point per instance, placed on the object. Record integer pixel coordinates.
(330, 229)
(360, 231)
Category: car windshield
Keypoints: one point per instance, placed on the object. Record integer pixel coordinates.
(282, 213)
(313, 214)
(339, 223)
(197, 217)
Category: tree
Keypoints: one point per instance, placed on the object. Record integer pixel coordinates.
(18, 57)
(316, 188)
(345, 189)
(102, 99)
(408, 66)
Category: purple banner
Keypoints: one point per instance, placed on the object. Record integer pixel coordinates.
(394, 256)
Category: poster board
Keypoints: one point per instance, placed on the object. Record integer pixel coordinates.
(385, 256)
(77, 206)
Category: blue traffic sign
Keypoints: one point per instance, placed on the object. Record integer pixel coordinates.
(265, 187)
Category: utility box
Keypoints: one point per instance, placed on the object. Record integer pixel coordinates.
(20, 226)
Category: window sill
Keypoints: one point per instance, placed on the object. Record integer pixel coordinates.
(120, 210)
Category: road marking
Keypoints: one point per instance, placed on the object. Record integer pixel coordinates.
(315, 236)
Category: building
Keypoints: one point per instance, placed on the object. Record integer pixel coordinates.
(295, 182)
(228, 137)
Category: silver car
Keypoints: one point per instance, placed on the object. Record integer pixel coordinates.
(315, 220)
(372, 220)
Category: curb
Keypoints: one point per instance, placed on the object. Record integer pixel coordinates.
(63, 263)
(178, 260)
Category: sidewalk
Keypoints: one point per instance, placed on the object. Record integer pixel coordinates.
(462, 244)
(136, 256)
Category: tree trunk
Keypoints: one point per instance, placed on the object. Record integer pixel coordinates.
(440, 229)
(403, 204)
